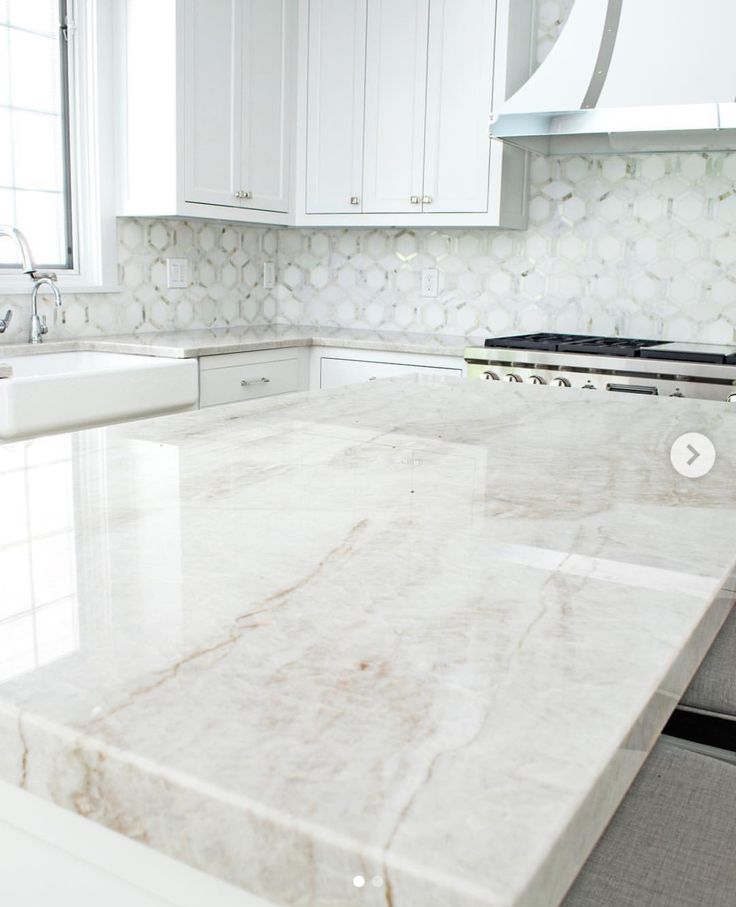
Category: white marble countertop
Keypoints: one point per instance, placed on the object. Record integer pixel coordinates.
(190, 344)
(423, 631)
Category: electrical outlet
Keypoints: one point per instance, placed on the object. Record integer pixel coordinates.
(430, 282)
(269, 275)
(177, 273)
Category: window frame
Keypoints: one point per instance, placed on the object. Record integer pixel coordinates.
(89, 27)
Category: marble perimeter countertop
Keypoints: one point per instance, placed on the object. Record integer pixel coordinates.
(421, 630)
(191, 344)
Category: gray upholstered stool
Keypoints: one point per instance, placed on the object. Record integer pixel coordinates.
(672, 842)
(714, 686)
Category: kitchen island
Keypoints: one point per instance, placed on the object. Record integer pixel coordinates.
(420, 633)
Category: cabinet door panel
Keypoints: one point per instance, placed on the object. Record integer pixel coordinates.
(339, 372)
(335, 106)
(459, 92)
(396, 82)
(266, 31)
(212, 87)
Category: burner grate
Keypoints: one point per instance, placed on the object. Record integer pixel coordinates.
(573, 343)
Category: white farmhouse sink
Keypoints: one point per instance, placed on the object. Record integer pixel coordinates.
(63, 391)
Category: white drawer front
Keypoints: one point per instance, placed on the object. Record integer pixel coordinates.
(338, 372)
(248, 382)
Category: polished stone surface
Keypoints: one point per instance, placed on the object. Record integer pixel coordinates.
(422, 631)
(188, 344)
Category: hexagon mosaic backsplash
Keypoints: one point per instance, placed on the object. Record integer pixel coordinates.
(225, 264)
(639, 245)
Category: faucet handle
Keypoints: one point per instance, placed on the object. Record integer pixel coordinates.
(4, 322)
(44, 326)
(44, 275)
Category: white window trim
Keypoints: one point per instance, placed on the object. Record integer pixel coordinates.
(92, 163)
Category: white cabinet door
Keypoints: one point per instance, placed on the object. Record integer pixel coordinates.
(213, 101)
(396, 87)
(335, 106)
(459, 95)
(339, 372)
(266, 30)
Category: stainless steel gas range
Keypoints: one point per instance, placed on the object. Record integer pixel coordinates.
(694, 370)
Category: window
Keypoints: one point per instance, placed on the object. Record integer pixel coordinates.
(34, 130)
(57, 177)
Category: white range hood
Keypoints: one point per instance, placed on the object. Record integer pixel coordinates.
(631, 75)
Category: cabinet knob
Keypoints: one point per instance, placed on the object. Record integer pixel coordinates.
(427, 200)
(238, 194)
(415, 200)
(248, 195)
(354, 200)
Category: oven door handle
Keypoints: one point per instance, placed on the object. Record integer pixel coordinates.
(633, 389)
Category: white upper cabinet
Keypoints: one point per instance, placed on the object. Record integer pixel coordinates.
(409, 100)
(206, 97)
(236, 103)
(265, 128)
(459, 94)
(213, 101)
(396, 89)
(321, 112)
(335, 105)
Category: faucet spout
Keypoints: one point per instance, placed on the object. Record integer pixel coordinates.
(23, 248)
(38, 322)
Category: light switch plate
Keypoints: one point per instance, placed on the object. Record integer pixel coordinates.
(177, 273)
(269, 275)
(430, 283)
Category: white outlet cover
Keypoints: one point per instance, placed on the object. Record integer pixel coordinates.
(177, 273)
(269, 275)
(430, 283)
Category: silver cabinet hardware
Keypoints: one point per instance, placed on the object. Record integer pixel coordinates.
(238, 194)
(249, 382)
(248, 195)
(4, 322)
(427, 199)
(354, 200)
(415, 200)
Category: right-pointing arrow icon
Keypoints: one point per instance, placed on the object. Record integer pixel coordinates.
(695, 454)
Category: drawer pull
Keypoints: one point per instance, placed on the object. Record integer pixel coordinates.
(249, 382)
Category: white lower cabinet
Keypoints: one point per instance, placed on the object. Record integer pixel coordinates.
(338, 370)
(236, 377)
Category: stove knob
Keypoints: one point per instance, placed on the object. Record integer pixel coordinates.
(731, 398)
(512, 378)
(490, 376)
(679, 393)
(560, 382)
(589, 387)
(535, 379)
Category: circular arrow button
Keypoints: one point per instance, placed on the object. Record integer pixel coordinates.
(693, 455)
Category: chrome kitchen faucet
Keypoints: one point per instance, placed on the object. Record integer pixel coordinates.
(39, 278)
